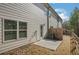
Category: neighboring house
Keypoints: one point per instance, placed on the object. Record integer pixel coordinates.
(21, 24)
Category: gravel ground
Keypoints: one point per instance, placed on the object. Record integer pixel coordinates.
(32, 49)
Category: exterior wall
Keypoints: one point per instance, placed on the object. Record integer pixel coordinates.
(60, 24)
(29, 13)
(43, 20)
(33, 15)
(0, 31)
(53, 22)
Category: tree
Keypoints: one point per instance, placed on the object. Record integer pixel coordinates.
(66, 25)
(74, 20)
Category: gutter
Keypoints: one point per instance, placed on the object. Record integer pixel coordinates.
(53, 11)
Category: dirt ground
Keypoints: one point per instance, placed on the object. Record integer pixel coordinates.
(32, 49)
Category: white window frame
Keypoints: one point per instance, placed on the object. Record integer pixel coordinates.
(7, 30)
(17, 30)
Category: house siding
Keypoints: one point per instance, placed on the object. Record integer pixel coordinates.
(0, 31)
(29, 13)
(60, 24)
(53, 22)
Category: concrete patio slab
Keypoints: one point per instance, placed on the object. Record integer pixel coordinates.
(51, 44)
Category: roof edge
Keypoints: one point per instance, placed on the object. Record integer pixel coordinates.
(53, 11)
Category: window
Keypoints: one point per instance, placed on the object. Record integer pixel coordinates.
(22, 29)
(10, 24)
(22, 34)
(9, 35)
(10, 29)
(22, 25)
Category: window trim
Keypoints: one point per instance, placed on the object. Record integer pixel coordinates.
(3, 19)
(17, 30)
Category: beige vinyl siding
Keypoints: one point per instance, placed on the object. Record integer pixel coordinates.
(60, 24)
(22, 12)
(53, 22)
(0, 31)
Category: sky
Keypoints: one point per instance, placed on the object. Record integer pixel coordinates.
(64, 9)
